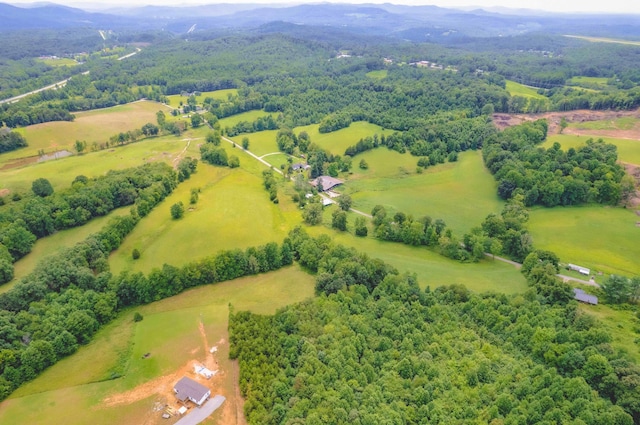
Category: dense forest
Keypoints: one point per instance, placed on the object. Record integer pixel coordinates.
(381, 350)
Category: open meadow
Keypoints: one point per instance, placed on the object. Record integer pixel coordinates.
(177, 333)
(462, 193)
(598, 237)
(233, 211)
(221, 95)
(517, 89)
(338, 141)
(95, 126)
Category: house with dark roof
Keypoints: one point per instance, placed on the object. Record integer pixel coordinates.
(580, 295)
(300, 166)
(325, 183)
(188, 389)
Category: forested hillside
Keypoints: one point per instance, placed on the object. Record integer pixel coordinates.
(383, 351)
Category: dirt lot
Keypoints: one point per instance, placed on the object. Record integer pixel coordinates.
(579, 116)
(164, 400)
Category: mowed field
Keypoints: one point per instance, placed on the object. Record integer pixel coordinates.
(462, 193)
(91, 126)
(338, 141)
(598, 237)
(517, 89)
(221, 95)
(177, 333)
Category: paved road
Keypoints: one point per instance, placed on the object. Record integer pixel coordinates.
(57, 85)
(199, 414)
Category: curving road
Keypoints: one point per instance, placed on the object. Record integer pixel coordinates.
(57, 85)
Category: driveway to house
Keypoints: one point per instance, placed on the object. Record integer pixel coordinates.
(199, 414)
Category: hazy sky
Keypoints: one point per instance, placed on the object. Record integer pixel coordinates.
(610, 6)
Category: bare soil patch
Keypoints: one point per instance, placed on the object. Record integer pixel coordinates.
(160, 389)
(21, 162)
(4, 192)
(580, 116)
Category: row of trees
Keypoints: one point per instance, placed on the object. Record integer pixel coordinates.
(22, 222)
(380, 349)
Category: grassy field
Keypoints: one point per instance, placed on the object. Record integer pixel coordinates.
(58, 62)
(431, 268)
(51, 244)
(462, 193)
(245, 116)
(628, 150)
(605, 40)
(92, 126)
(222, 95)
(517, 89)
(598, 237)
(623, 123)
(377, 75)
(233, 211)
(279, 159)
(260, 143)
(169, 332)
(337, 142)
(589, 82)
(61, 172)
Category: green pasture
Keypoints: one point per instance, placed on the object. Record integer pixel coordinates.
(431, 268)
(260, 143)
(58, 62)
(601, 238)
(222, 95)
(628, 150)
(233, 211)
(517, 89)
(278, 159)
(53, 243)
(623, 123)
(338, 141)
(462, 193)
(169, 332)
(249, 116)
(377, 75)
(589, 82)
(61, 172)
(95, 126)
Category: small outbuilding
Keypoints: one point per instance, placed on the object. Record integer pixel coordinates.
(188, 389)
(300, 166)
(582, 270)
(580, 295)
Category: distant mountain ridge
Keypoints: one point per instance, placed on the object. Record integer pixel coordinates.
(416, 23)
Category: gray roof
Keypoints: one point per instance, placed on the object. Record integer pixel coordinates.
(186, 388)
(328, 182)
(580, 295)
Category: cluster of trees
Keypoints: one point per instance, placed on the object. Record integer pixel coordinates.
(552, 176)
(22, 222)
(621, 289)
(289, 142)
(379, 349)
(261, 123)
(11, 140)
(216, 155)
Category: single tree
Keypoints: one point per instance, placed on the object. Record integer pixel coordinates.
(177, 210)
(312, 214)
(344, 202)
(42, 187)
(339, 220)
(245, 143)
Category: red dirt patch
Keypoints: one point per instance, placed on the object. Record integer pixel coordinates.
(553, 118)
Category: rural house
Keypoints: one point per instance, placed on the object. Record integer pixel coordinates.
(188, 389)
(327, 182)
